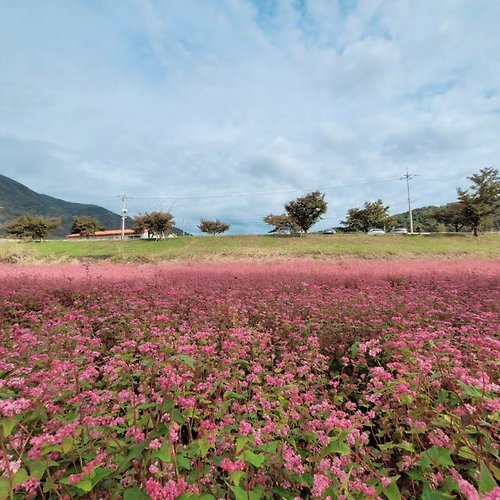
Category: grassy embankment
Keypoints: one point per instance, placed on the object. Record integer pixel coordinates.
(255, 247)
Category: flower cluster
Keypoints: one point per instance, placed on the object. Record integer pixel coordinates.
(243, 380)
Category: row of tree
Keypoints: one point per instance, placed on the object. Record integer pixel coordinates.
(475, 208)
(157, 225)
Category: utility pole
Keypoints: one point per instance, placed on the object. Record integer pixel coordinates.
(408, 177)
(124, 199)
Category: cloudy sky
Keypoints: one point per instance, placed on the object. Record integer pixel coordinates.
(230, 108)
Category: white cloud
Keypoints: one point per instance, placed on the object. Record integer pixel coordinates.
(168, 99)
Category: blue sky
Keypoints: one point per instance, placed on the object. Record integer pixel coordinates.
(230, 108)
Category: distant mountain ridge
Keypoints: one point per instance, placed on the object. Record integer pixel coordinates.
(17, 199)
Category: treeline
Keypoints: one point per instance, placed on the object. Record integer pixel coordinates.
(476, 209)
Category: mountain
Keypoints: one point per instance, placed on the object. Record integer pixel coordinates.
(17, 199)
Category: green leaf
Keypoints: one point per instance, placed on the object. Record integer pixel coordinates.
(236, 476)
(336, 446)
(270, 447)
(85, 485)
(167, 406)
(386, 446)
(430, 494)
(183, 462)
(415, 474)
(471, 391)
(240, 494)
(392, 491)
(486, 480)
(164, 453)
(466, 452)
(4, 487)
(135, 493)
(405, 445)
(441, 456)
(8, 425)
(67, 444)
(178, 416)
(234, 395)
(98, 474)
(354, 349)
(241, 442)
(204, 447)
(241, 362)
(20, 477)
(255, 459)
(189, 360)
(37, 469)
(281, 493)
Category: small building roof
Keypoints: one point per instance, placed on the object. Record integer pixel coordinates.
(108, 232)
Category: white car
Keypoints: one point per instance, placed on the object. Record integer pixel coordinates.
(375, 232)
(399, 230)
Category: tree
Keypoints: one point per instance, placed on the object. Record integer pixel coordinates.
(213, 226)
(157, 224)
(452, 214)
(85, 225)
(281, 221)
(305, 211)
(32, 226)
(482, 201)
(372, 215)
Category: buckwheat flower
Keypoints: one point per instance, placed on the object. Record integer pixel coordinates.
(230, 466)
(439, 438)
(245, 428)
(467, 490)
(155, 444)
(154, 469)
(173, 432)
(385, 481)
(320, 484)
(293, 461)
(12, 407)
(494, 494)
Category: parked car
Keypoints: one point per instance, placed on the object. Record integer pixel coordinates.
(328, 231)
(375, 232)
(399, 230)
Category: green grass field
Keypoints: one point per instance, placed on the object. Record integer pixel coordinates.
(255, 247)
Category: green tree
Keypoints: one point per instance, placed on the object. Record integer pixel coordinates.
(280, 221)
(372, 215)
(213, 226)
(32, 226)
(85, 225)
(157, 224)
(306, 210)
(453, 214)
(481, 202)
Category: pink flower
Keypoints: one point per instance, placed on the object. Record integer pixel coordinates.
(231, 466)
(321, 483)
(155, 444)
(245, 428)
(293, 461)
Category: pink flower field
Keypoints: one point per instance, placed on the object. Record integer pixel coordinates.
(301, 379)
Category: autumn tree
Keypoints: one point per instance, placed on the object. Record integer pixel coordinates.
(371, 215)
(213, 226)
(306, 210)
(157, 224)
(85, 226)
(280, 221)
(32, 227)
(482, 200)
